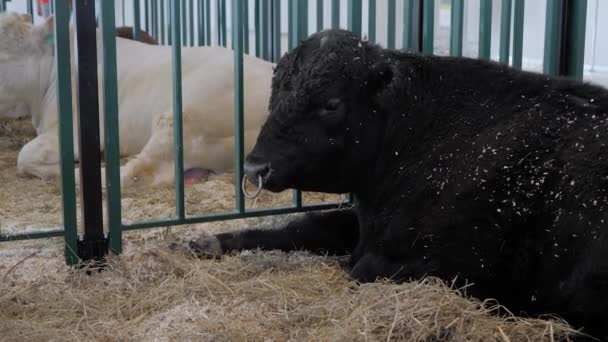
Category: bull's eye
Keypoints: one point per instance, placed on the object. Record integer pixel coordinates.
(332, 105)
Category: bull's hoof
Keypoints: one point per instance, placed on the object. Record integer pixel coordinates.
(196, 175)
(206, 246)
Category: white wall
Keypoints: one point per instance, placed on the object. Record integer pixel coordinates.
(596, 53)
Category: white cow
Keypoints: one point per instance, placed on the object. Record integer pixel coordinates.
(28, 78)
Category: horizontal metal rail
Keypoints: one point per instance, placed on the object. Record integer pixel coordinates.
(235, 215)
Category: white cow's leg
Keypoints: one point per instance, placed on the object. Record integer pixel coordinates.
(154, 164)
(40, 157)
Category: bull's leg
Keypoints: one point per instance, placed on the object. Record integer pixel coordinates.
(332, 232)
(371, 267)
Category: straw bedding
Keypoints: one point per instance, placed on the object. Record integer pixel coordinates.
(152, 292)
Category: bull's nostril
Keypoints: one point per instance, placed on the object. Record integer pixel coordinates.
(255, 170)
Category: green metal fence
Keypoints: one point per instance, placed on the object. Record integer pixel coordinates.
(172, 22)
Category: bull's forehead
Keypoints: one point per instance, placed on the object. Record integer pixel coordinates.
(322, 59)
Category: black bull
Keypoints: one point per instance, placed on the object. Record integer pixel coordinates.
(460, 168)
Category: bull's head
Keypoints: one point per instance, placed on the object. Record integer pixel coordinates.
(324, 124)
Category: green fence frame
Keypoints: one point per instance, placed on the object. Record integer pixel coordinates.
(564, 53)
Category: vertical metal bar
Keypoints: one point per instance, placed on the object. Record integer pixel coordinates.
(184, 20)
(237, 37)
(156, 28)
(456, 28)
(208, 21)
(290, 19)
(110, 105)
(371, 21)
(485, 28)
(200, 22)
(293, 24)
(298, 26)
(94, 244)
(30, 9)
(408, 24)
(303, 19)
(294, 38)
(276, 28)
(147, 15)
(169, 26)
(191, 22)
(319, 15)
(258, 29)
(390, 33)
(223, 21)
(66, 137)
(335, 13)
(178, 131)
(162, 21)
(552, 37)
(265, 27)
(354, 16)
(575, 48)
(518, 33)
(246, 26)
(428, 28)
(136, 20)
(505, 31)
(123, 13)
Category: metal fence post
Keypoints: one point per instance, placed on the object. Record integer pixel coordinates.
(66, 137)
(485, 28)
(237, 37)
(136, 20)
(147, 15)
(518, 33)
(94, 245)
(428, 26)
(161, 26)
(319, 15)
(30, 9)
(575, 38)
(371, 21)
(112, 137)
(335, 13)
(178, 130)
(456, 27)
(191, 21)
(390, 36)
(505, 31)
(200, 23)
(354, 16)
(408, 24)
(276, 29)
(258, 27)
(246, 26)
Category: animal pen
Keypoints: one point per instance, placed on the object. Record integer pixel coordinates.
(172, 23)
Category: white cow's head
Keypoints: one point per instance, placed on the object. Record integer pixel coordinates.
(26, 55)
